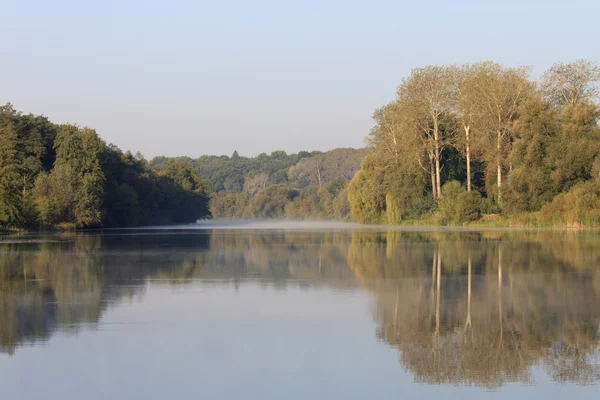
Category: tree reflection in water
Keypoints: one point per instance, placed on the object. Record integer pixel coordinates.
(494, 306)
(477, 308)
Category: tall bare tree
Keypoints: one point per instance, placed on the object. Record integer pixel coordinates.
(388, 132)
(466, 108)
(396, 138)
(426, 96)
(570, 83)
(254, 184)
(499, 93)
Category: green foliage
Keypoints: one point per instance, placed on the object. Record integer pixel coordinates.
(320, 180)
(74, 189)
(337, 164)
(489, 205)
(407, 195)
(26, 149)
(183, 192)
(61, 197)
(10, 195)
(66, 176)
(532, 159)
(555, 150)
(458, 206)
(366, 193)
(446, 212)
(580, 206)
(270, 202)
(229, 205)
(229, 173)
(468, 207)
(232, 174)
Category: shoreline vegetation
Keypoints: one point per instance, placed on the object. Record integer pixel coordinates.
(461, 145)
(64, 177)
(485, 145)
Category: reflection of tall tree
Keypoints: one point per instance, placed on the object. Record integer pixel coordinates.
(468, 322)
(482, 308)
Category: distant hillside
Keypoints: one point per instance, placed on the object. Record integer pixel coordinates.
(298, 170)
(279, 185)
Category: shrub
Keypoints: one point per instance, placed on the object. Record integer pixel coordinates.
(468, 207)
(457, 206)
(447, 202)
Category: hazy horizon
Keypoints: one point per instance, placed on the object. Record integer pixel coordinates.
(187, 79)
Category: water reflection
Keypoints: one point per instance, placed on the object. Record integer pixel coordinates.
(474, 308)
(484, 308)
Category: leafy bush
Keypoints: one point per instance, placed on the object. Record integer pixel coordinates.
(457, 206)
(447, 203)
(468, 207)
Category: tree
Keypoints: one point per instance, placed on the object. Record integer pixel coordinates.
(426, 97)
(184, 196)
(366, 191)
(319, 169)
(254, 184)
(391, 130)
(270, 202)
(78, 156)
(500, 92)
(465, 107)
(568, 84)
(10, 195)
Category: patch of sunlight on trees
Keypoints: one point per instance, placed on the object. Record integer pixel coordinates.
(483, 143)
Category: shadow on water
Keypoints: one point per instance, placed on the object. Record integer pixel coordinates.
(478, 308)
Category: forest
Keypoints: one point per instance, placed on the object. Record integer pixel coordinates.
(304, 185)
(66, 177)
(483, 143)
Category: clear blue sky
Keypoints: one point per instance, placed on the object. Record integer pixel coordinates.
(193, 77)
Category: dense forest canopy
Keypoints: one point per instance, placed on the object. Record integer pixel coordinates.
(65, 176)
(461, 141)
(278, 185)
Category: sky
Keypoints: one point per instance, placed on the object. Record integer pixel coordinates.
(189, 78)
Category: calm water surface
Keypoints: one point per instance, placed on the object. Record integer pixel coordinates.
(305, 312)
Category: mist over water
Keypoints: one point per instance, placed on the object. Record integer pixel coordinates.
(296, 310)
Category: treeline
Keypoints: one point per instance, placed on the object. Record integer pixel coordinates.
(280, 185)
(329, 201)
(229, 174)
(67, 177)
(462, 141)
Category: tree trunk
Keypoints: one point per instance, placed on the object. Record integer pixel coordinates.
(436, 138)
(319, 172)
(499, 167)
(468, 153)
(433, 186)
(437, 171)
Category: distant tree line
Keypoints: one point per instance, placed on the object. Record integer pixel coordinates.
(462, 141)
(304, 185)
(66, 176)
